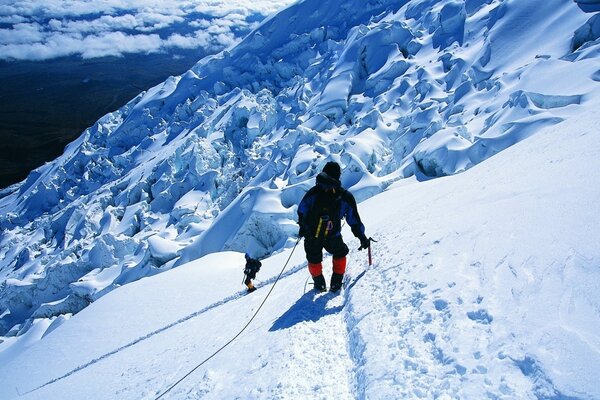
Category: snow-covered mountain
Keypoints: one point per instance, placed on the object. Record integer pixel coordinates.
(484, 282)
(483, 286)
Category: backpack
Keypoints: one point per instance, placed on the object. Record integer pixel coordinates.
(324, 215)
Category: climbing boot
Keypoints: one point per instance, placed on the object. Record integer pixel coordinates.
(336, 282)
(320, 285)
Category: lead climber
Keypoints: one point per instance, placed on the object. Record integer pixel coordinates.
(319, 215)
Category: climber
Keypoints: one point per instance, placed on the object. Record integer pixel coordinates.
(250, 270)
(319, 215)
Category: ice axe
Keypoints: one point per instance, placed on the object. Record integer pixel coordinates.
(369, 250)
(370, 257)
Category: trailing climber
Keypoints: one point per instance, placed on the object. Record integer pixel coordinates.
(250, 270)
(319, 215)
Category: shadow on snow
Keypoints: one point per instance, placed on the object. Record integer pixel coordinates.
(310, 307)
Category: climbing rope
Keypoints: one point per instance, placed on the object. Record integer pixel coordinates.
(240, 332)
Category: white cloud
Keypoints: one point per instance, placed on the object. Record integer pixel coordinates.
(56, 28)
(200, 23)
(12, 19)
(92, 46)
(7, 11)
(155, 21)
(224, 40)
(22, 34)
(200, 39)
(116, 43)
(102, 24)
(144, 22)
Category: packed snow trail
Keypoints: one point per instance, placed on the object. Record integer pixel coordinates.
(316, 334)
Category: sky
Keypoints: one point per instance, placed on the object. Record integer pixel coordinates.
(33, 30)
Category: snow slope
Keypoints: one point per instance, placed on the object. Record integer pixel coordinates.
(216, 160)
(484, 285)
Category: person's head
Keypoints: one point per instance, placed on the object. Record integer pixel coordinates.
(329, 178)
(333, 170)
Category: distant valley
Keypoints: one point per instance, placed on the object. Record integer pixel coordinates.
(48, 104)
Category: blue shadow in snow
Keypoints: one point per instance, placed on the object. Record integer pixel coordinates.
(310, 307)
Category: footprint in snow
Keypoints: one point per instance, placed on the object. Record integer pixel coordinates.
(480, 316)
(440, 304)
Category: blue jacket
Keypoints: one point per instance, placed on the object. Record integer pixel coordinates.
(322, 208)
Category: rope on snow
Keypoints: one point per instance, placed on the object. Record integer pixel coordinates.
(239, 333)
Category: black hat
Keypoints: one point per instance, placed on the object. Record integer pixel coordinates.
(333, 170)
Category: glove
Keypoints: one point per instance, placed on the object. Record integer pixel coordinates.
(364, 242)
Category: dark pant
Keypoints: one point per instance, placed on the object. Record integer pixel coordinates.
(334, 245)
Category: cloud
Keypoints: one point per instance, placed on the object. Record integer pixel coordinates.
(56, 28)
(102, 24)
(201, 39)
(22, 34)
(92, 46)
(12, 19)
